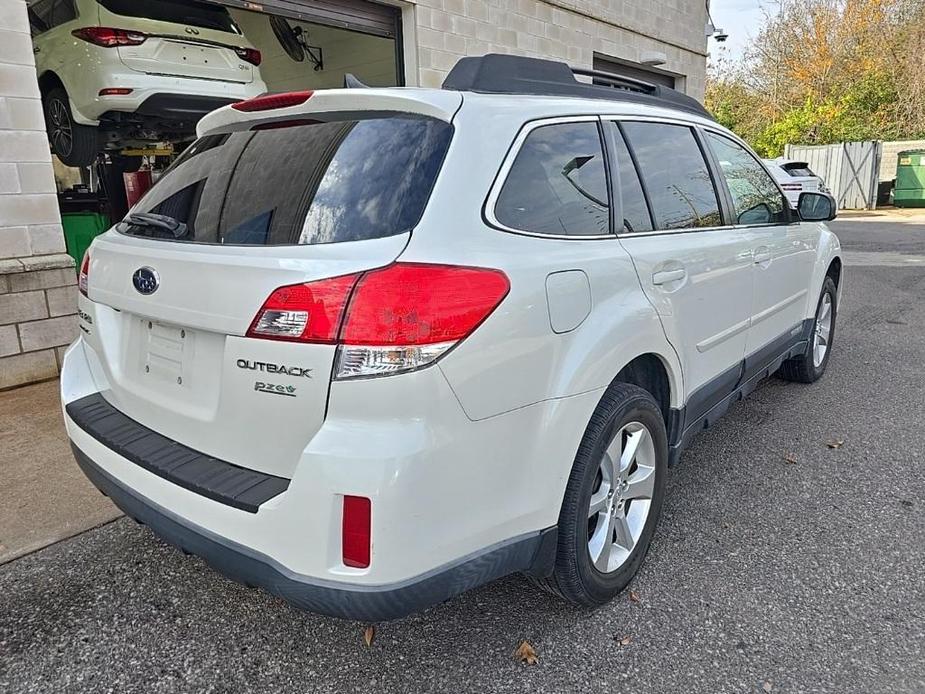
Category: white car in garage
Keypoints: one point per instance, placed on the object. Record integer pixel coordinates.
(795, 177)
(114, 73)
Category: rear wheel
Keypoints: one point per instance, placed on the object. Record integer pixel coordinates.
(74, 144)
(809, 366)
(613, 498)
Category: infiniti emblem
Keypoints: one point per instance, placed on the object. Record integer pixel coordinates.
(191, 30)
(145, 280)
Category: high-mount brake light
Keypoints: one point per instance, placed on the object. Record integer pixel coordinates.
(268, 102)
(398, 318)
(107, 37)
(83, 279)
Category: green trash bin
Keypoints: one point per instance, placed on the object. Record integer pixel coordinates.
(80, 228)
(910, 179)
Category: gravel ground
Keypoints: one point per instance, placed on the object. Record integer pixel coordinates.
(764, 575)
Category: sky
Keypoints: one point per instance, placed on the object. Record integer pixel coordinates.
(738, 18)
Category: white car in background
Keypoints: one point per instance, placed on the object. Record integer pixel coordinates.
(795, 177)
(135, 71)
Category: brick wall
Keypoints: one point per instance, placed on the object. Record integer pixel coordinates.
(571, 30)
(37, 292)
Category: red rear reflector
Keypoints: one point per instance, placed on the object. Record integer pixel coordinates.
(416, 304)
(115, 91)
(251, 55)
(83, 279)
(110, 38)
(268, 102)
(356, 538)
(304, 312)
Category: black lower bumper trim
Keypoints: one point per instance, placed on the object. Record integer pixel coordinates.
(365, 603)
(215, 479)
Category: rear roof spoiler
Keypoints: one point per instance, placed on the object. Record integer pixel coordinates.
(495, 73)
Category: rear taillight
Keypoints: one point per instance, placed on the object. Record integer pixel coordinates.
(83, 279)
(250, 55)
(399, 318)
(268, 102)
(109, 37)
(356, 532)
(304, 312)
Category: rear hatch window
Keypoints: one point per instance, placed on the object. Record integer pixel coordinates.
(797, 169)
(197, 14)
(314, 183)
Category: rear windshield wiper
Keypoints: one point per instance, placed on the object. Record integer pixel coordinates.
(156, 221)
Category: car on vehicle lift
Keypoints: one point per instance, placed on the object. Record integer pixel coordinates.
(369, 393)
(120, 74)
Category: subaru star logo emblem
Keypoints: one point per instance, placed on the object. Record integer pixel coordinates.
(145, 280)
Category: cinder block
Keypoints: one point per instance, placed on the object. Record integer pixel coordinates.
(9, 179)
(47, 262)
(23, 113)
(16, 47)
(24, 146)
(24, 306)
(13, 16)
(22, 210)
(47, 239)
(9, 340)
(18, 80)
(52, 332)
(62, 301)
(20, 369)
(36, 177)
(14, 242)
(42, 279)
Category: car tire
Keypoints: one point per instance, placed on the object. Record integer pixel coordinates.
(627, 415)
(809, 366)
(74, 144)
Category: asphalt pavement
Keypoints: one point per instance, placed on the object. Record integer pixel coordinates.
(780, 565)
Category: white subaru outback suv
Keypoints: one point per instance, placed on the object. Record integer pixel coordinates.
(124, 72)
(370, 348)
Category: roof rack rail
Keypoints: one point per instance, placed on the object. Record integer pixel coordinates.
(496, 73)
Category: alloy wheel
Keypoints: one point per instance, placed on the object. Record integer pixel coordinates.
(62, 136)
(621, 497)
(823, 330)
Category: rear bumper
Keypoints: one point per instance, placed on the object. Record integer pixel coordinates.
(367, 603)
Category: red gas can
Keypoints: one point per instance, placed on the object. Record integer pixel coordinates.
(137, 184)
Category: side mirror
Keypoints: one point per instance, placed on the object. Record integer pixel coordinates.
(816, 207)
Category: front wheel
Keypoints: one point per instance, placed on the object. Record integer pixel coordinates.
(613, 498)
(809, 366)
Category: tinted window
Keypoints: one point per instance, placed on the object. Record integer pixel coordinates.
(186, 12)
(319, 183)
(676, 176)
(754, 195)
(63, 11)
(557, 184)
(635, 211)
(40, 16)
(798, 169)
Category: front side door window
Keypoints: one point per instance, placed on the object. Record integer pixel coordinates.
(755, 196)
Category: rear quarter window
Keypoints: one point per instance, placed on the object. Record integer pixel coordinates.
(342, 180)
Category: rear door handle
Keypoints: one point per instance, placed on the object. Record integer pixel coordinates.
(762, 255)
(666, 276)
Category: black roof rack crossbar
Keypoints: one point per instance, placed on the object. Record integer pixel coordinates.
(511, 74)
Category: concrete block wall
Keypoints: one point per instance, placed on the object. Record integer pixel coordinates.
(571, 30)
(37, 277)
(889, 156)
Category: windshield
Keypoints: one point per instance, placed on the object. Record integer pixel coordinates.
(343, 180)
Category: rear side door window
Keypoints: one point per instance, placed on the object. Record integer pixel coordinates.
(557, 184)
(755, 196)
(676, 176)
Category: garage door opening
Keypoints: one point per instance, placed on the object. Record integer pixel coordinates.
(634, 71)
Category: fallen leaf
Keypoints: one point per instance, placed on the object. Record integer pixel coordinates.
(369, 633)
(526, 654)
(623, 640)
(767, 686)
(835, 444)
(634, 596)
(790, 459)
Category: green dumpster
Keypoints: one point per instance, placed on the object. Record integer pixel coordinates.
(910, 179)
(80, 228)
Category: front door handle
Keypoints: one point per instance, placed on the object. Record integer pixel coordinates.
(666, 276)
(762, 256)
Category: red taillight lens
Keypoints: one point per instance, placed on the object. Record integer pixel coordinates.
(304, 312)
(250, 55)
(356, 539)
(415, 304)
(115, 91)
(109, 37)
(268, 102)
(83, 279)
(399, 318)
